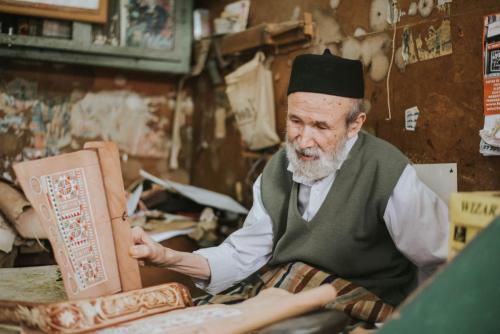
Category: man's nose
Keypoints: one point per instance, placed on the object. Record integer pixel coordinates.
(306, 139)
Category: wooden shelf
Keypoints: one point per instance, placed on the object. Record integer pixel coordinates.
(269, 34)
(80, 50)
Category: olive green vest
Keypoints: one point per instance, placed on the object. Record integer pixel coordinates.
(348, 236)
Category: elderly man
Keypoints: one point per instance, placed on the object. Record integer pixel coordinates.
(335, 198)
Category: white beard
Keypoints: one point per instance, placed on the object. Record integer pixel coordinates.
(326, 163)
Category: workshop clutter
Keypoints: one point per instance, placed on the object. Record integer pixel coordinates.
(165, 209)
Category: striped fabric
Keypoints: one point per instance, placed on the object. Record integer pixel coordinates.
(352, 299)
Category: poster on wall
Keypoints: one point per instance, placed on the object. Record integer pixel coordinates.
(490, 134)
(148, 24)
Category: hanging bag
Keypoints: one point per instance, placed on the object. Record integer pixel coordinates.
(250, 93)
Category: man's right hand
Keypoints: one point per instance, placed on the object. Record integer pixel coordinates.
(147, 250)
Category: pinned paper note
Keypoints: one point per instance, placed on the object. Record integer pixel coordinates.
(220, 123)
(490, 133)
(443, 2)
(411, 116)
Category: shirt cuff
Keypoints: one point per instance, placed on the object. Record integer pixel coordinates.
(220, 277)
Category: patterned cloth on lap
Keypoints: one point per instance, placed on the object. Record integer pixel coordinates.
(356, 301)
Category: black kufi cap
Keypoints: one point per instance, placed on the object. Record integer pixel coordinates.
(327, 74)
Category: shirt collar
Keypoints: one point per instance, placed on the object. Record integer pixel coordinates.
(349, 144)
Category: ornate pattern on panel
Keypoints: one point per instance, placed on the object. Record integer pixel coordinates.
(68, 197)
(89, 315)
(173, 322)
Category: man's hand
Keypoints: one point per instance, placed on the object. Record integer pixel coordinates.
(148, 250)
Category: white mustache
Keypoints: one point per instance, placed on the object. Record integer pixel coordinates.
(310, 151)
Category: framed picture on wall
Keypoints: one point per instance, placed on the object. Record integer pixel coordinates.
(148, 24)
(74, 10)
(157, 29)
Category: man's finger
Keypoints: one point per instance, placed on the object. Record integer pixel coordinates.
(137, 235)
(140, 251)
(141, 237)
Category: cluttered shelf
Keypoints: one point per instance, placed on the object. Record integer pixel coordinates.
(281, 35)
(84, 43)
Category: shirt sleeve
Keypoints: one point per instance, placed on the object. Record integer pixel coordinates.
(417, 220)
(244, 252)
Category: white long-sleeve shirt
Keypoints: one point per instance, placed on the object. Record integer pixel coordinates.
(416, 218)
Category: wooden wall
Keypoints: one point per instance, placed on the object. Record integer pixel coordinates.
(448, 91)
(56, 84)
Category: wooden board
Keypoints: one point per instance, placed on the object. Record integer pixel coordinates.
(268, 307)
(89, 315)
(67, 192)
(109, 161)
(80, 200)
(32, 285)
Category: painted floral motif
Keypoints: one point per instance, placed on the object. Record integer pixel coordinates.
(69, 199)
(67, 318)
(67, 187)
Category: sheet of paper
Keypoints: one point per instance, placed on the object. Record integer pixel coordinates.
(442, 2)
(169, 217)
(159, 237)
(441, 178)
(411, 116)
(487, 149)
(199, 195)
(220, 123)
(490, 133)
(134, 200)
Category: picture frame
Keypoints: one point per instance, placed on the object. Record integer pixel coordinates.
(95, 11)
(148, 25)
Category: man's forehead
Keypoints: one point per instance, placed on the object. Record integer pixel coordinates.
(315, 107)
(318, 99)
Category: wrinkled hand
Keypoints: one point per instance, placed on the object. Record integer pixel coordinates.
(147, 250)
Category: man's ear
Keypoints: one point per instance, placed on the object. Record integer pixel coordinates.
(355, 126)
